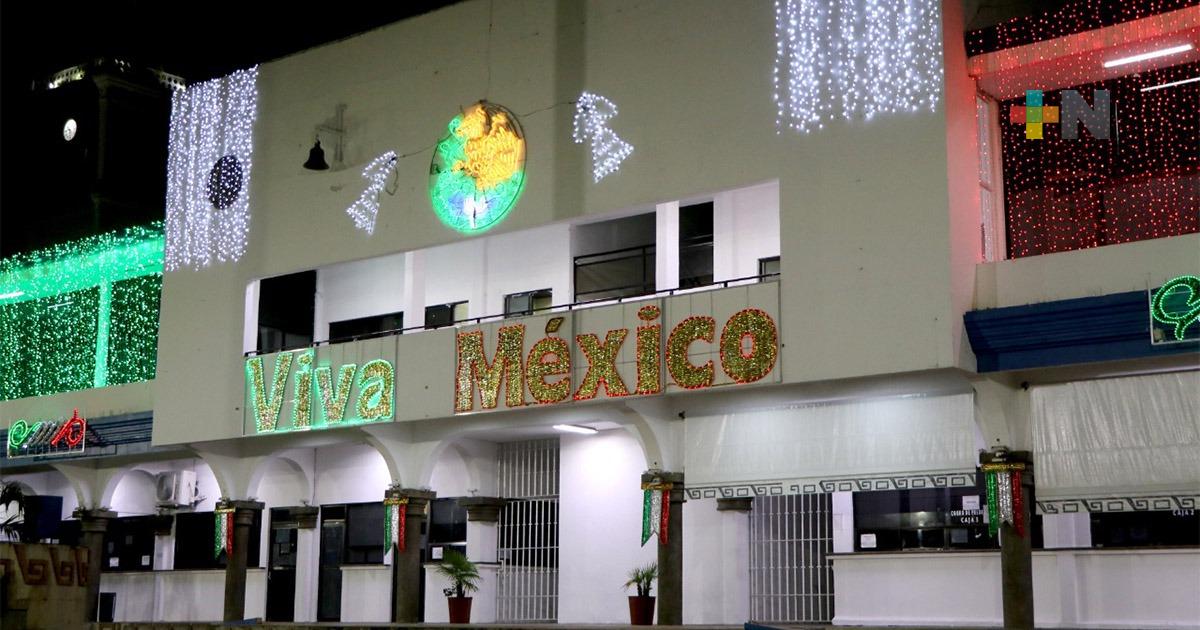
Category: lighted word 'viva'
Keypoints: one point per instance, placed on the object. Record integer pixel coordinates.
(748, 347)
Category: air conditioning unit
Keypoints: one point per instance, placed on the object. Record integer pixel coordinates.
(174, 488)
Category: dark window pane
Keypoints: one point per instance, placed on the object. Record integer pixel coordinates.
(366, 325)
(696, 245)
(286, 305)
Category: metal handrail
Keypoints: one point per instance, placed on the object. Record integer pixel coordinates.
(572, 306)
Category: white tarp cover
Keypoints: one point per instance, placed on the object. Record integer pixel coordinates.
(855, 439)
(1117, 437)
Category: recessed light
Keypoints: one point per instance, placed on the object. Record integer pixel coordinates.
(1150, 55)
(575, 428)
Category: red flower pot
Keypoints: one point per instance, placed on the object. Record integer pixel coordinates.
(460, 609)
(641, 610)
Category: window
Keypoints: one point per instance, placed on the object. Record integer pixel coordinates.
(991, 218)
(447, 522)
(528, 303)
(364, 533)
(129, 544)
(696, 245)
(363, 326)
(616, 274)
(445, 314)
(614, 258)
(192, 529)
(1146, 529)
(928, 518)
(768, 267)
(1143, 182)
(286, 306)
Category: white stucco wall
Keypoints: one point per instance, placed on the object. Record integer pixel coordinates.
(854, 251)
(599, 546)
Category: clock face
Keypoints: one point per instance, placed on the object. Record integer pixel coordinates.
(69, 129)
(478, 169)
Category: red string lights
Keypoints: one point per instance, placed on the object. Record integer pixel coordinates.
(1071, 18)
(1141, 183)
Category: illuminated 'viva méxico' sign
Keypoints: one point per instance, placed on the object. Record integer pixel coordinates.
(321, 397)
(697, 341)
(747, 347)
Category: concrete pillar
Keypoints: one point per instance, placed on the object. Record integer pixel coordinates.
(483, 517)
(670, 555)
(307, 559)
(406, 566)
(735, 573)
(413, 294)
(235, 566)
(1016, 551)
(92, 526)
(666, 243)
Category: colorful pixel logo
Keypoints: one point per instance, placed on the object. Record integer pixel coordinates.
(1075, 109)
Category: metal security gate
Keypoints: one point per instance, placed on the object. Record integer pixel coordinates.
(527, 581)
(791, 578)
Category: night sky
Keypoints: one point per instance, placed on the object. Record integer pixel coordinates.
(196, 41)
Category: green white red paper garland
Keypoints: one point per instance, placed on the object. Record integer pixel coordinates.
(1005, 501)
(395, 511)
(656, 511)
(223, 531)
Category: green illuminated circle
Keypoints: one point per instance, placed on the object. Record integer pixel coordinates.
(478, 168)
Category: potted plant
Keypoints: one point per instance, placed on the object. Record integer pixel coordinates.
(641, 606)
(464, 577)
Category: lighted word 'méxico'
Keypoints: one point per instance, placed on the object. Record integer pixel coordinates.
(48, 437)
(748, 345)
(319, 397)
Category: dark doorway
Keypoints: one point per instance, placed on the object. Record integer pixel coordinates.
(281, 576)
(329, 579)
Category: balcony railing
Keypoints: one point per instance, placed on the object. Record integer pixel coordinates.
(615, 274)
(560, 308)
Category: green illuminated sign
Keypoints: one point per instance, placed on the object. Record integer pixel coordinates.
(1177, 305)
(317, 399)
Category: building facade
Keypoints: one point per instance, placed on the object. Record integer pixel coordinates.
(757, 325)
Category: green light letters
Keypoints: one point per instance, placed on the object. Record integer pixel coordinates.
(375, 388)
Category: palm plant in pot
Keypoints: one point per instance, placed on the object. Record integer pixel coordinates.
(464, 578)
(641, 606)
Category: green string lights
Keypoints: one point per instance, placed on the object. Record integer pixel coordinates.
(1177, 304)
(81, 314)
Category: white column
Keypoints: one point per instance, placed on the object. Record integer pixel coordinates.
(414, 289)
(843, 522)
(307, 569)
(724, 238)
(735, 546)
(482, 526)
(320, 319)
(250, 324)
(666, 259)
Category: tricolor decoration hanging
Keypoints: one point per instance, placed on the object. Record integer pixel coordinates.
(1005, 501)
(656, 511)
(223, 531)
(395, 512)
